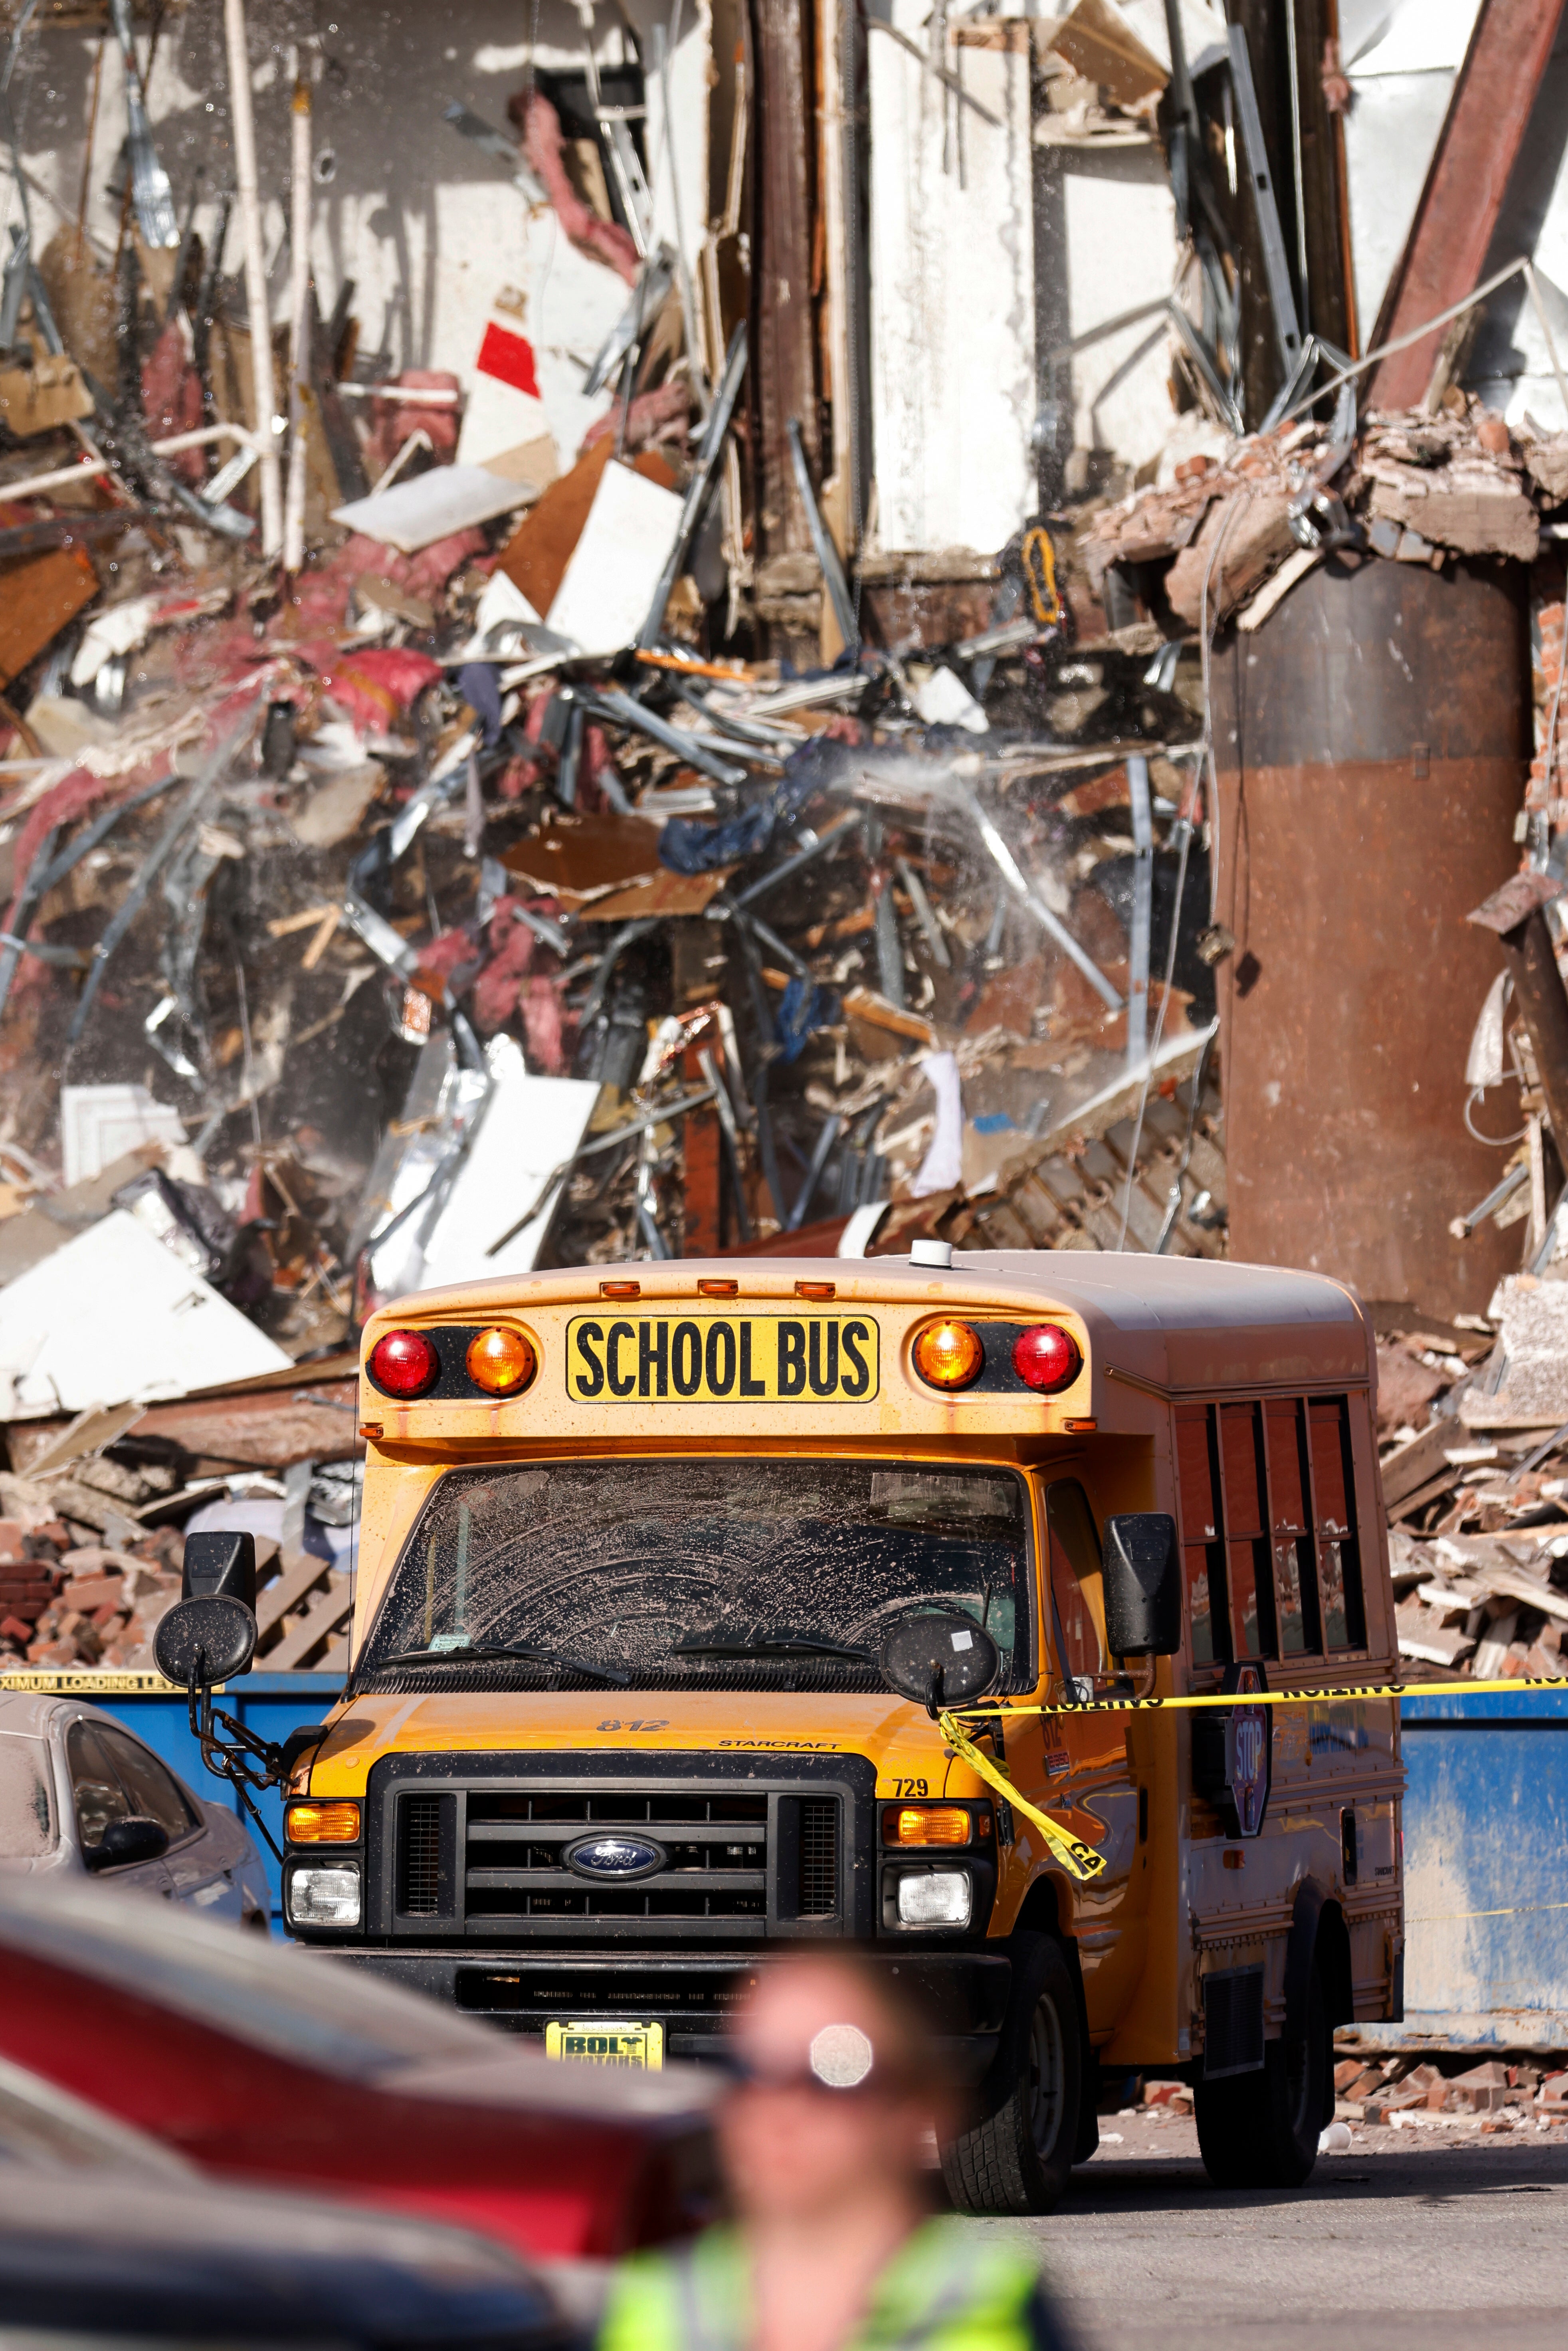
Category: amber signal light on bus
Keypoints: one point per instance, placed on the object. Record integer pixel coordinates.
(950, 1355)
(322, 1824)
(1045, 1358)
(501, 1361)
(925, 1824)
(404, 1364)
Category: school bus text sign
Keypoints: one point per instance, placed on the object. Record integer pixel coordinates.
(722, 1359)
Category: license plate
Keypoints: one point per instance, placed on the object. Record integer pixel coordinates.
(604, 2042)
(722, 1359)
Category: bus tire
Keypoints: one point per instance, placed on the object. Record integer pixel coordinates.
(1017, 2155)
(1260, 2130)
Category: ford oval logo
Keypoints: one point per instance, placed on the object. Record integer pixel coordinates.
(619, 1857)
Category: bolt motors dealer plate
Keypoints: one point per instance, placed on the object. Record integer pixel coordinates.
(608, 2042)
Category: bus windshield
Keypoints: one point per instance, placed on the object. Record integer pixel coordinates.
(669, 1574)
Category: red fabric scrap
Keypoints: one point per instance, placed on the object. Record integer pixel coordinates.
(542, 1026)
(512, 947)
(172, 399)
(595, 765)
(539, 123)
(509, 358)
(427, 573)
(446, 953)
(393, 421)
(660, 415)
(375, 684)
(517, 778)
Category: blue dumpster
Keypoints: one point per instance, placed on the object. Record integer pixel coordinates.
(1486, 1838)
(271, 1705)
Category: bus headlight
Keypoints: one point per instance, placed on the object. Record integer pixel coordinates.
(936, 1898)
(323, 1897)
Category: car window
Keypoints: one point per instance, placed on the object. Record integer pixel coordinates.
(95, 1788)
(27, 1813)
(152, 1789)
(1076, 1572)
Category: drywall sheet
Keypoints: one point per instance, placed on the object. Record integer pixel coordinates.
(529, 1128)
(114, 1316)
(614, 569)
(1118, 249)
(952, 291)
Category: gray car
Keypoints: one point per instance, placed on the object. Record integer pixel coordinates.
(79, 1793)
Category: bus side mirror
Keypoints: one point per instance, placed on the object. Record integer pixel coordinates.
(1142, 1586)
(210, 1633)
(220, 1566)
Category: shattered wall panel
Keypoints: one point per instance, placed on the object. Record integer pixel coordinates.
(1119, 250)
(952, 270)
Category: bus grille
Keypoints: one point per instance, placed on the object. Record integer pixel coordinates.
(714, 1849)
(421, 1889)
(818, 1856)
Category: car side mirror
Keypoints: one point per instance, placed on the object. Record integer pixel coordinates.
(940, 1660)
(1142, 1584)
(136, 1839)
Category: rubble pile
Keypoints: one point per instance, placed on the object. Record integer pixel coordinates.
(415, 869)
(1400, 2093)
(1230, 533)
(1477, 1491)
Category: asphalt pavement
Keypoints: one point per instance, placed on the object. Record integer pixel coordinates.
(1419, 2239)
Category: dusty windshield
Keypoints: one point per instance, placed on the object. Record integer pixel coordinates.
(702, 1574)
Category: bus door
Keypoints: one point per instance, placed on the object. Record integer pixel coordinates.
(1085, 1758)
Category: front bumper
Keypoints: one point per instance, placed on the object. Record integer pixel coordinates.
(965, 1994)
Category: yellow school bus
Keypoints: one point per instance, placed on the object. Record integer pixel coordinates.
(709, 1609)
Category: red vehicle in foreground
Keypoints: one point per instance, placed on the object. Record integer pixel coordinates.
(250, 2057)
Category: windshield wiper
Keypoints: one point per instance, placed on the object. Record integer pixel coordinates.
(482, 1650)
(774, 1645)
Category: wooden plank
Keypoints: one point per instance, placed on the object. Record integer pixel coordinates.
(325, 1617)
(1420, 1460)
(275, 1599)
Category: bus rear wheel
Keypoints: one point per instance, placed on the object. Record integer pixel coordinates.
(1260, 2130)
(1017, 2156)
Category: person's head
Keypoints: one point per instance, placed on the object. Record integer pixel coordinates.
(835, 2087)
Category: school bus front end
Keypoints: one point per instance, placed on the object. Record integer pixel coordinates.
(626, 1721)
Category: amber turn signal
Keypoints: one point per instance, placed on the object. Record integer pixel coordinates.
(925, 1824)
(322, 1823)
(950, 1355)
(501, 1361)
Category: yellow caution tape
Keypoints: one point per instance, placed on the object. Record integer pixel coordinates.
(91, 1682)
(1038, 559)
(1071, 1851)
(1336, 1693)
(1081, 1859)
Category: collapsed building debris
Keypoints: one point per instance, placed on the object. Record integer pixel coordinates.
(587, 799)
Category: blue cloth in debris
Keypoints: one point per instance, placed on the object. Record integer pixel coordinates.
(689, 848)
(802, 1008)
(476, 683)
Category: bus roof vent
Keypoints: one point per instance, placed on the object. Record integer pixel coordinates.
(931, 1253)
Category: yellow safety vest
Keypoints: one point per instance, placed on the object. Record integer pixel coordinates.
(947, 2288)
